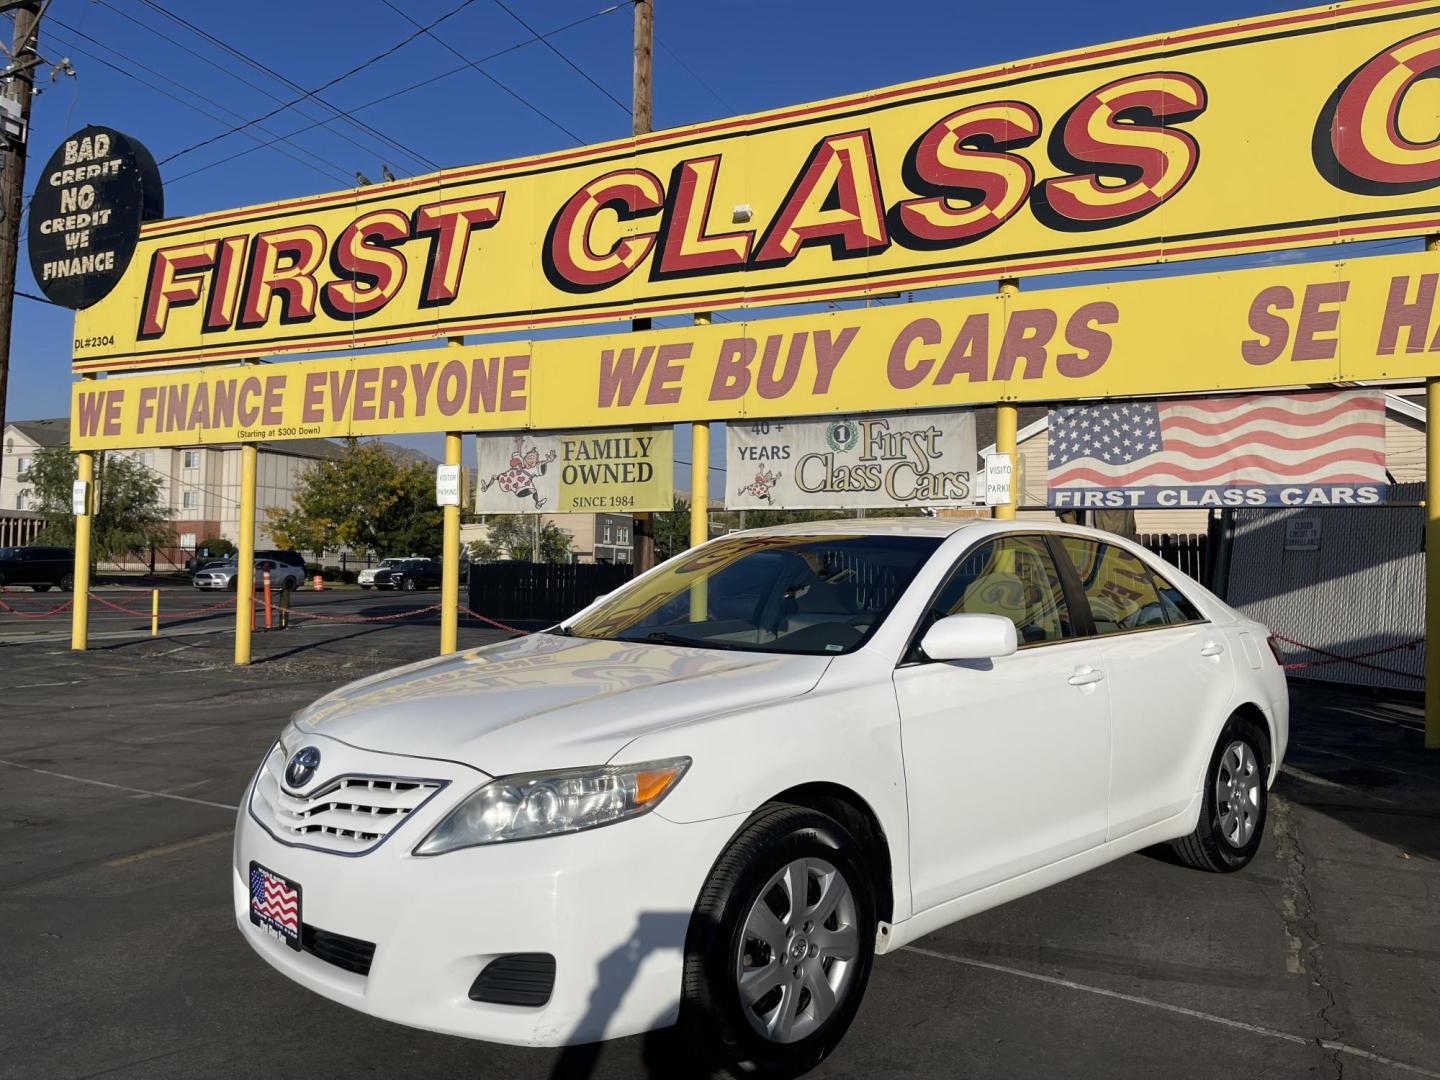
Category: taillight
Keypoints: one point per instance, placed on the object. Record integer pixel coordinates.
(1274, 644)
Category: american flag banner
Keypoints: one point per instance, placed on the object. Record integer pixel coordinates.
(275, 903)
(1321, 448)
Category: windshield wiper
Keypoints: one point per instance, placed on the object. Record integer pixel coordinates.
(664, 637)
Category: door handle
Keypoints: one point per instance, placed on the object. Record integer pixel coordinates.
(1212, 648)
(1085, 676)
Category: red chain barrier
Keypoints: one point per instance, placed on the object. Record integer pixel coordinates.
(493, 622)
(35, 614)
(1358, 659)
(164, 614)
(296, 612)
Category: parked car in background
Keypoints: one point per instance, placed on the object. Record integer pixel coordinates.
(42, 568)
(366, 578)
(749, 772)
(226, 575)
(410, 574)
(283, 556)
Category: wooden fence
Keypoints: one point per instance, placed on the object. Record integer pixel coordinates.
(1189, 551)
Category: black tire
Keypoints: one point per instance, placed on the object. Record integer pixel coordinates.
(712, 1012)
(234, 585)
(1208, 847)
(40, 588)
(67, 583)
(365, 588)
(409, 584)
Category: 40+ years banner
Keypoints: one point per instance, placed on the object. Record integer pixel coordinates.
(589, 472)
(1283, 130)
(855, 462)
(1324, 448)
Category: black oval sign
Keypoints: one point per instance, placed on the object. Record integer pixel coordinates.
(86, 212)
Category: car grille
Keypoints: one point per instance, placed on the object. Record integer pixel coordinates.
(349, 815)
(349, 953)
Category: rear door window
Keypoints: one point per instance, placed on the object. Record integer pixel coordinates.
(1124, 594)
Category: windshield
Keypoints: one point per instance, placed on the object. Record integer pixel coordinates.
(9, 553)
(819, 595)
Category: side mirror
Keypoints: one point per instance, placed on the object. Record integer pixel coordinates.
(969, 637)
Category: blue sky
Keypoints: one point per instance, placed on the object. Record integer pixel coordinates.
(711, 59)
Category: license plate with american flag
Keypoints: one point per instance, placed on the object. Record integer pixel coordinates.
(275, 904)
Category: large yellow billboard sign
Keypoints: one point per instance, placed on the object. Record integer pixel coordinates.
(1284, 130)
(1372, 319)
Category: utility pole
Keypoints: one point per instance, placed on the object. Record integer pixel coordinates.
(641, 105)
(24, 57)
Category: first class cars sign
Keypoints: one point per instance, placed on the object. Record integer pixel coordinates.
(852, 462)
(1283, 130)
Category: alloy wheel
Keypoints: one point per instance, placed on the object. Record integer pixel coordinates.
(1238, 793)
(798, 951)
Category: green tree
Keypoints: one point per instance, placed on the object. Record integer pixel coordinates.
(672, 529)
(368, 499)
(483, 550)
(217, 546)
(515, 534)
(130, 514)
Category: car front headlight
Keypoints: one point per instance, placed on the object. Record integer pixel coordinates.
(530, 805)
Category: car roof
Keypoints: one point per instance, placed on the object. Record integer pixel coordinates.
(942, 528)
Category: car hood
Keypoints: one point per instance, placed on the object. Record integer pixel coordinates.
(549, 701)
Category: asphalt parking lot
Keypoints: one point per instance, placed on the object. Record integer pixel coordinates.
(120, 769)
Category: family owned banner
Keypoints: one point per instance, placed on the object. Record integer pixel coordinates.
(616, 469)
(853, 462)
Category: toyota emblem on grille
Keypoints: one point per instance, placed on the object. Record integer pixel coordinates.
(303, 764)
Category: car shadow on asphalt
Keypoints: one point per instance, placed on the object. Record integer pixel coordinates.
(666, 1053)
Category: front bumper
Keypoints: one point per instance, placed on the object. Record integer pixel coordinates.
(212, 583)
(611, 905)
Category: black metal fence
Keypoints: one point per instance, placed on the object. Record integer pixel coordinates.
(524, 590)
(1189, 551)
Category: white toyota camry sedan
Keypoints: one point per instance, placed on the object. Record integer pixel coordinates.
(715, 795)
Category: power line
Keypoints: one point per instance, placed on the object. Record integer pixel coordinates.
(691, 72)
(324, 168)
(308, 94)
(246, 58)
(573, 66)
(259, 87)
(411, 88)
(476, 66)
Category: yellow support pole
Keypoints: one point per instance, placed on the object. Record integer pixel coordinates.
(245, 579)
(1007, 422)
(80, 587)
(154, 612)
(450, 559)
(1432, 552)
(700, 498)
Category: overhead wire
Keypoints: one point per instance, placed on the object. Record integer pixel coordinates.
(475, 64)
(411, 88)
(313, 93)
(689, 71)
(245, 58)
(570, 63)
(315, 162)
(336, 118)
